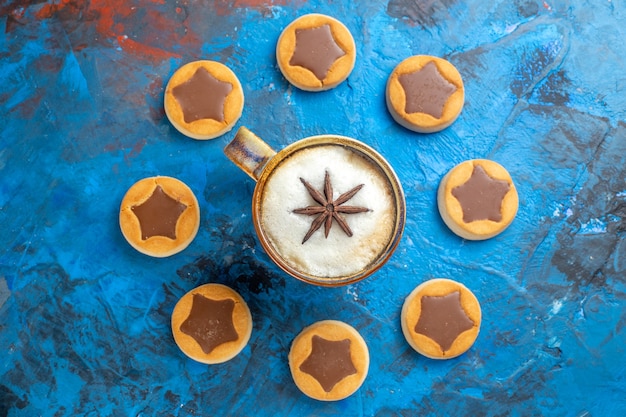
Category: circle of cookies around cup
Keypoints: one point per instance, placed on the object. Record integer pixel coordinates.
(211, 324)
(203, 99)
(329, 360)
(159, 216)
(425, 93)
(316, 52)
(441, 318)
(477, 199)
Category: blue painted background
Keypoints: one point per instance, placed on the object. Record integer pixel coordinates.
(84, 319)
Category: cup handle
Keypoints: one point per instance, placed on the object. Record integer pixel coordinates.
(249, 152)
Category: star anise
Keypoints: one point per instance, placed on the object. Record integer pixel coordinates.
(329, 208)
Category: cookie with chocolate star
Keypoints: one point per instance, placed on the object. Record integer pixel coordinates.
(316, 52)
(477, 199)
(211, 323)
(159, 216)
(203, 99)
(441, 318)
(425, 93)
(329, 360)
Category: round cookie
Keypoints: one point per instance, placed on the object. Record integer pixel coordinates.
(203, 99)
(425, 93)
(211, 323)
(441, 318)
(329, 360)
(316, 52)
(159, 216)
(477, 199)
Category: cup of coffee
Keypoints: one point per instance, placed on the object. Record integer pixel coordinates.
(328, 210)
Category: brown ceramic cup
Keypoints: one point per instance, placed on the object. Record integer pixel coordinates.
(328, 210)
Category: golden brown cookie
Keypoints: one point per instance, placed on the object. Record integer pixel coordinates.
(477, 199)
(441, 318)
(316, 52)
(211, 323)
(329, 360)
(203, 99)
(159, 216)
(425, 93)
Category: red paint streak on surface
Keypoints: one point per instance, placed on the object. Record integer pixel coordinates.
(156, 86)
(11, 23)
(49, 63)
(113, 18)
(224, 7)
(155, 91)
(120, 146)
(50, 9)
(255, 3)
(113, 146)
(136, 149)
(18, 13)
(137, 48)
(161, 24)
(14, 18)
(110, 13)
(27, 108)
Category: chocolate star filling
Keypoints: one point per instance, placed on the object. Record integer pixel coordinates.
(316, 50)
(158, 215)
(443, 319)
(210, 322)
(481, 196)
(329, 208)
(426, 90)
(329, 361)
(202, 96)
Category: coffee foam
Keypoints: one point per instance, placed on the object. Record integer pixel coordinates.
(338, 255)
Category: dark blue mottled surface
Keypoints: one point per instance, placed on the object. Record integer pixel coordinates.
(84, 319)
